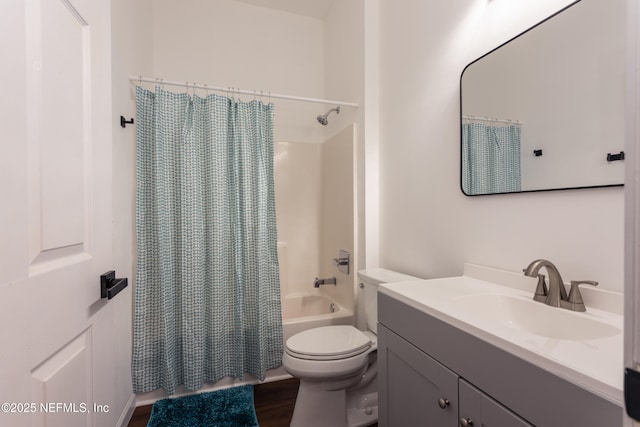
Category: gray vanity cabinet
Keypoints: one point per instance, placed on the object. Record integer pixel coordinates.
(417, 389)
(425, 363)
(478, 409)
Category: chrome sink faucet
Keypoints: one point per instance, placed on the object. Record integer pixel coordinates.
(556, 291)
(556, 294)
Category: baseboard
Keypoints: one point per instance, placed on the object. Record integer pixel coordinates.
(126, 415)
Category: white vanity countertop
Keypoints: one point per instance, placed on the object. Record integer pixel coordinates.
(587, 358)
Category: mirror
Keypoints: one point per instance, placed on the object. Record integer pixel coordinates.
(546, 110)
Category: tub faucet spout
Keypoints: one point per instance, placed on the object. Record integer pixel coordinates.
(318, 282)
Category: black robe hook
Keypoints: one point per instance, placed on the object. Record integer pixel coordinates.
(124, 122)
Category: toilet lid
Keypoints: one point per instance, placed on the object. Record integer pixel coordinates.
(334, 342)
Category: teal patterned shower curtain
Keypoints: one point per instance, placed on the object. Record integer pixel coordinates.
(490, 158)
(207, 291)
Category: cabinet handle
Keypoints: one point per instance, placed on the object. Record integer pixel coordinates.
(466, 422)
(443, 403)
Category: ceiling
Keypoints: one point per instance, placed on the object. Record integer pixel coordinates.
(312, 8)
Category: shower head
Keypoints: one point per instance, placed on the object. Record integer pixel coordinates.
(323, 118)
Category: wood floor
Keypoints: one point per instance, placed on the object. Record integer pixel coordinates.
(274, 404)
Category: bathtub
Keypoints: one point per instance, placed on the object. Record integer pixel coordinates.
(302, 312)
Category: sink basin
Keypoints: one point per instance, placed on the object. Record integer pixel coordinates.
(534, 317)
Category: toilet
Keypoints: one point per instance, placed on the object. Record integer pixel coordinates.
(337, 367)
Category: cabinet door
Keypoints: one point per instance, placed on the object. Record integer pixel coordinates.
(414, 389)
(478, 409)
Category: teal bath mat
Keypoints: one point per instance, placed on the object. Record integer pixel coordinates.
(231, 407)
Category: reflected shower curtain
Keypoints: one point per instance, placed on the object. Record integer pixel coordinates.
(207, 302)
(490, 158)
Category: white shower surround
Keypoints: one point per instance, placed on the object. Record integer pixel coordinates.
(314, 187)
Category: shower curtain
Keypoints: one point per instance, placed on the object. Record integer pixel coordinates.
(490, 158)
(207, 291)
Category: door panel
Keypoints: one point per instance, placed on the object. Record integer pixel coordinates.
(58, 404)
(61, 141)
(59, 81)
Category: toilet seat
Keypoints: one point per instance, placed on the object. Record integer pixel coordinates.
(330, 354)
(328, 343)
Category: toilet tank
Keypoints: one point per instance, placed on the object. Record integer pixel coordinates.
(370, 279)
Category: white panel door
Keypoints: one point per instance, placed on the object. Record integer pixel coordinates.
(632, 201)
(55, 214)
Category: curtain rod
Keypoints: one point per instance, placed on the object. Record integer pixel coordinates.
(489, 119)
(240, 91)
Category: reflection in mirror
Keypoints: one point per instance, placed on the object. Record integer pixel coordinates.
(545, 111)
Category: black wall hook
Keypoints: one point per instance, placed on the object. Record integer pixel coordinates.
(615, 157)
(124, 122)
(537, 153)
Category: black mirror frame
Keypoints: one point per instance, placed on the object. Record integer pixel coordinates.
(460, 116)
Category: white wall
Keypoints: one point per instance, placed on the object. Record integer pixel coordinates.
(427, 226)
(228, 43)
(131, 45)
(344, 61)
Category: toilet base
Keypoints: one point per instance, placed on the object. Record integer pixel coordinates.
(317, 407)
(362, 410)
